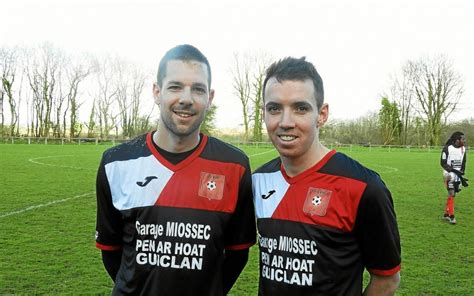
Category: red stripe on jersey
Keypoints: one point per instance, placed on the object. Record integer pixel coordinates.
(240, 247)
(204, 184)
(180, 165)
(309, 171)
(385, 272)
(108, 248)
(340, 197)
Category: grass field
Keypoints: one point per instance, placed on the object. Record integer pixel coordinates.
(47, 221)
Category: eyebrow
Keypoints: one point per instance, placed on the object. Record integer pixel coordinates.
(294, 104)
(197, 84)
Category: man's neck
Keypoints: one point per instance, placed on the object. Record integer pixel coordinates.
(295, 166)
(175, 144)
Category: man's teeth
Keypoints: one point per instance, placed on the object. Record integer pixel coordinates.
(185, 115)
(287, 138)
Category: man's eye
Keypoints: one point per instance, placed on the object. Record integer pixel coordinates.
(273, 109)
(200, 90)
(302, 109)
(173, 87)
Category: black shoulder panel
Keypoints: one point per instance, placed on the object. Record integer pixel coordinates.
(344, 166)
(221, 151)
(270, 167)
(132, 149)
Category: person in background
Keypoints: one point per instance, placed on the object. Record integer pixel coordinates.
(453, 162)
(322, 217)
(174, 206)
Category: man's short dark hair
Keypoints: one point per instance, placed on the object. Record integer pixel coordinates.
(184, 52)
(294, 69)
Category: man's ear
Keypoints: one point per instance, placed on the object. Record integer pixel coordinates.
(211, 97)
(323, 115)
(156, 93)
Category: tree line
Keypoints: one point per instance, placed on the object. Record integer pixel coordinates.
(52, 86)
(418, 109)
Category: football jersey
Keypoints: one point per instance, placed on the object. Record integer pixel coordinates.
(317, 231)
(454, 157)
(173, 222)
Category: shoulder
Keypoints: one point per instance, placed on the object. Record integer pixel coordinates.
(272, 166)
(132, 149)
(342, 165)
(219, 150)
(347, 167)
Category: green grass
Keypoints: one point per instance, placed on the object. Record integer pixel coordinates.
(50, 249)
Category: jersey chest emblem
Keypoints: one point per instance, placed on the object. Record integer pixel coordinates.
(211, 186)
(317, 201)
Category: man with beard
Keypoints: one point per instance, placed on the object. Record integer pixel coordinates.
(174, 206)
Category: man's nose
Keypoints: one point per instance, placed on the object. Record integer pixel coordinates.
(286, 120)
(186, 97)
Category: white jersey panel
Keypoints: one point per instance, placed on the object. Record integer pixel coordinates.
(124, 177)
(455, 156)
(268, 191)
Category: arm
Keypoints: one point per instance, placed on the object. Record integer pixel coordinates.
(382, 285)
(463, 165)
(234, 263)
(112, 260)
(444, 159)
(108, 225)
(240, 234)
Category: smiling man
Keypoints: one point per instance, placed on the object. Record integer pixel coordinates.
(322, 217)
(174, 206)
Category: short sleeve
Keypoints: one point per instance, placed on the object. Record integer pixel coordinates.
(109, 219)
(241, 230)
(376, 230)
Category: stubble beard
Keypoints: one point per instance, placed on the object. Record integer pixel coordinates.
(174, 129)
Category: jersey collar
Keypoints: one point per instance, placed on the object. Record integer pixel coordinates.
(182, 164)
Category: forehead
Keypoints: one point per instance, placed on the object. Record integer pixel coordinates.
(178, 70)
(289, 90)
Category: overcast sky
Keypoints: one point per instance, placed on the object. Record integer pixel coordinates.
(355, 45)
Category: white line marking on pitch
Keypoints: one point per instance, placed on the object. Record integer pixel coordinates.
(260, 153)
(391, 169)
(30, 208)
(34, 160)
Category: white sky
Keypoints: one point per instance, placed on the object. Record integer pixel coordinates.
(355, 45)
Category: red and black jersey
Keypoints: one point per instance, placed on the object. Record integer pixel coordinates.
(173, 222)
(317, 231)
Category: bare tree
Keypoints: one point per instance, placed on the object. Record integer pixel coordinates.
(262, 61)
(438, 89)
(9, 58)
(42, 71)
(91, 123)
(402, 91)
(106, 94)
(76, 71)
(242, 86)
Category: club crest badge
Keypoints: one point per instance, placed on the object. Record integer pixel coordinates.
(317, 201)
(211, 186)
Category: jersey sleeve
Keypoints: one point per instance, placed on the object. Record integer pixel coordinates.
(463, 165)
(109, 219)
(376, 230)
(444, 159)
(241, 230)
